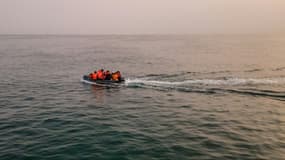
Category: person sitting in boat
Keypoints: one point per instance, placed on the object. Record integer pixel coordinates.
(100, 74)
(116, 76)
(93, 75)
(108, 75)
(119, 75)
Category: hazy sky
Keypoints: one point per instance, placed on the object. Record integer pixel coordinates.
(141, 16)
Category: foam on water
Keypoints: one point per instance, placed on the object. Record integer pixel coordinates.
(243, 86)
(228, 82)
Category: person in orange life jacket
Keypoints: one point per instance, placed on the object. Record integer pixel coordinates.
(94, 75)
(100, 74)
(116, 76)
(108, 75)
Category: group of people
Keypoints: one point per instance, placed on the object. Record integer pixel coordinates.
(105, 75)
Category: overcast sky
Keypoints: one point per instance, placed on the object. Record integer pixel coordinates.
(141, 16)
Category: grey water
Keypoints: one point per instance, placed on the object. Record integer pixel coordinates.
(185, 97)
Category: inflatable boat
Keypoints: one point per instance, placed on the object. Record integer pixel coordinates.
(86, 79)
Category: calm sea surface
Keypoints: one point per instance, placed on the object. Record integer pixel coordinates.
(185, 97)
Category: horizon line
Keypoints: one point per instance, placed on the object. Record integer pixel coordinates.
(134, 34)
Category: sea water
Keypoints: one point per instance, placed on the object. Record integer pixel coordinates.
(185, 97)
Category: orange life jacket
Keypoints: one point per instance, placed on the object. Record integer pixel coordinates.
(94, 76)
(100, 75)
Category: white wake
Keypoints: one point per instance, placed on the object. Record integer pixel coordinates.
(229, 81)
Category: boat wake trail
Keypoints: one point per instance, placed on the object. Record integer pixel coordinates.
(246, 86)
(226, 81)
